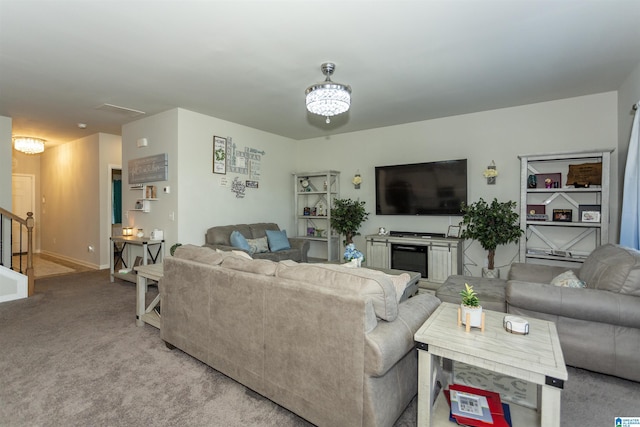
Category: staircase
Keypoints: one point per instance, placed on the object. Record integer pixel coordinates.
(16, 281)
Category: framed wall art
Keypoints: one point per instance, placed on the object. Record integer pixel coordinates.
(219, 155)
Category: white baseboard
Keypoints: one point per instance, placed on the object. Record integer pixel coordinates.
(76, 261)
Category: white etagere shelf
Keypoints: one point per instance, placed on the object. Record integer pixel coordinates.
(314, 195)
(555, 240)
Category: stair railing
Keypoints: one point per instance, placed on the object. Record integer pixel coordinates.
(6, 235)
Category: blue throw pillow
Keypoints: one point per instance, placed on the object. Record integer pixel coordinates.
(278, 240)
(239, 241)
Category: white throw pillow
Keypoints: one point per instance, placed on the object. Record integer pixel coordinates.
(568, 279)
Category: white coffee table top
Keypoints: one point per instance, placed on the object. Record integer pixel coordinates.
(531, 357)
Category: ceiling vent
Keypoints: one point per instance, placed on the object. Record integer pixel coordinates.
(129, 112)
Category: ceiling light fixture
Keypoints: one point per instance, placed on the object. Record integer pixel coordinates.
(28, 145)
(328, 98)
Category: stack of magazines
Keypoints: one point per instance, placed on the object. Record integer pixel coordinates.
(471, 406)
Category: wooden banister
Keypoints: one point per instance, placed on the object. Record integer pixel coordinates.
(29, 223)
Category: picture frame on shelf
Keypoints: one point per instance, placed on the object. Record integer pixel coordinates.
(454, 231)
(590, 216)
(589, 208)
(311, 231)
(562, 215)
(548, 180)
(219, 155)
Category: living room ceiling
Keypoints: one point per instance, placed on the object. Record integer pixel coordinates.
(249, 62)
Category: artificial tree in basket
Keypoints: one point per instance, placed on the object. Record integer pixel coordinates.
(491, 224)
(347, 216)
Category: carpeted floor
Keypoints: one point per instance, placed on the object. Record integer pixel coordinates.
(72, 356)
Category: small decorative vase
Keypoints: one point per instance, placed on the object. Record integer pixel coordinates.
(490, 273)
(475, 315)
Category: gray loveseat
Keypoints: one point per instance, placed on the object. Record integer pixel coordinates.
(220, 238)
(329, 343)
(598, 326)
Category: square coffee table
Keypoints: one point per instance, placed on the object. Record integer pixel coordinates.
(535, 357)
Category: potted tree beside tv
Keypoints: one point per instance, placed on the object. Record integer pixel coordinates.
(347, 216)
(491, 224)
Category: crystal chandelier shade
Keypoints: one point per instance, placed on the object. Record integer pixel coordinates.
(328, 98)
(28, 145)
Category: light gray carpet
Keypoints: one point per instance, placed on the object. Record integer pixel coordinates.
(72, 356)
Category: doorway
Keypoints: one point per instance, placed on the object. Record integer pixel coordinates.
(22, 201)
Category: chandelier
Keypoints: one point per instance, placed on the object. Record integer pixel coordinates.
(28, 145)
(328, 98)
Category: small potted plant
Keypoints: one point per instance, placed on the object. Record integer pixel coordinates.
(471, 305)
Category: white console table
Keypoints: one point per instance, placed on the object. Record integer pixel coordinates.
(444, 255)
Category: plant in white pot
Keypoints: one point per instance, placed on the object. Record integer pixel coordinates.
(470, 305)
(491, 224)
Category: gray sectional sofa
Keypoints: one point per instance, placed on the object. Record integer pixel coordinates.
(329, 343)
(598, 326)
(220, 238)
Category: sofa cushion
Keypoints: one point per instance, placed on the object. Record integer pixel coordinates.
(612, 268)
(259, 229)
(278, 240)
(256, 266)
(221, 235)
(239, 241)
(258, 246)
(199, 254)
(360, 281)
(568, 279)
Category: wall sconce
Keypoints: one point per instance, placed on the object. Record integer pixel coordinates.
(357, 180)
(127, 231)
(142, 142)
(491, 173)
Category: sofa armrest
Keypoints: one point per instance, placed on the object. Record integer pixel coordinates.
(536, 273)
(302, 245)
(390, 341)
(591, 305)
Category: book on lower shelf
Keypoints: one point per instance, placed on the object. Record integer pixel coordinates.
(471, 406)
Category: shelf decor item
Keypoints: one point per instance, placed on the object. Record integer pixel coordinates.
(491, 225)
(347, 216)
(585, 174)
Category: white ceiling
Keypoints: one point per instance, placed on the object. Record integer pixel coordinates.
(249, 62)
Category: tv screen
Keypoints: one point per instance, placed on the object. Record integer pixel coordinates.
(435, 188)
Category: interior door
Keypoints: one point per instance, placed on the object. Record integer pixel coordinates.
(22, 202)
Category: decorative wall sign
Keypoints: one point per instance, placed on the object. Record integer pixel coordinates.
(219, 155)
(252, 184)
(244, 162)
(149, 169)
(238, 187)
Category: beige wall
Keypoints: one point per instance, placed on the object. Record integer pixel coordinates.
(197, 200)
(71, 191)
(5, 174)
(588, 122)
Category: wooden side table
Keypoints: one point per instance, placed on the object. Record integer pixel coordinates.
(117, 251)
(536, 358)
(147, 314)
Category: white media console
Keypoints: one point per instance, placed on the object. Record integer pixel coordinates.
(434, 256)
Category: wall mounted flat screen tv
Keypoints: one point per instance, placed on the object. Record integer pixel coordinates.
(434, 188)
